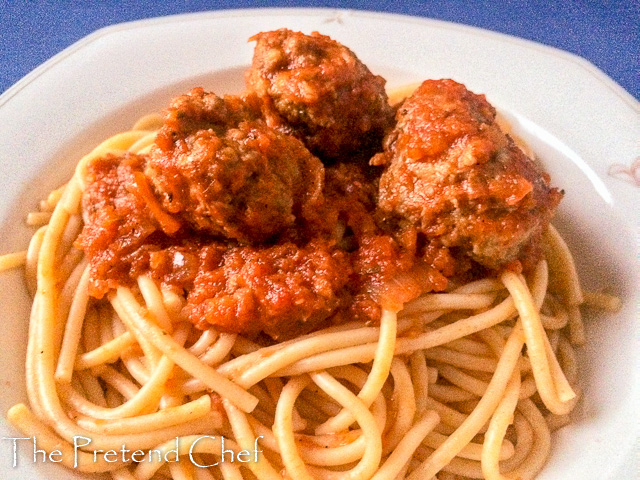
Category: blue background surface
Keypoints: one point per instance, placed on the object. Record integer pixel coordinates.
(605, 32)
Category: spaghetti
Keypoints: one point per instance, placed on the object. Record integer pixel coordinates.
(442, 388)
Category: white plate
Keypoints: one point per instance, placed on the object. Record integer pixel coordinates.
(584, 127)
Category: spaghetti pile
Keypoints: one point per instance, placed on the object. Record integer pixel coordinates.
(469, 383)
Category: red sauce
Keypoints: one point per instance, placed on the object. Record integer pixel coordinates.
(334, 265)
(233, 211)
(456, 177)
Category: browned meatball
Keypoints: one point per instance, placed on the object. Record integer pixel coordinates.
(229, 174)
(282, 290)
(201, 110)
(318, 90)
(455, 175)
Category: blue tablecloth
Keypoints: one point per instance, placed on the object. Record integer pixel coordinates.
(605, 32)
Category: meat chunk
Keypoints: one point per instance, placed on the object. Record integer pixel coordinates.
(201, 110)
(226, 173)
(281, 290)
(317, 89)
(464, 184)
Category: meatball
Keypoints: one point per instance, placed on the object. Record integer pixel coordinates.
(282, 290)
(201, 110)
(453, 174)
(226, 173)
(317, 89)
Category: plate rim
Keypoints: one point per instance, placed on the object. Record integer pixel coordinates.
(627, 100)
(585, 64)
